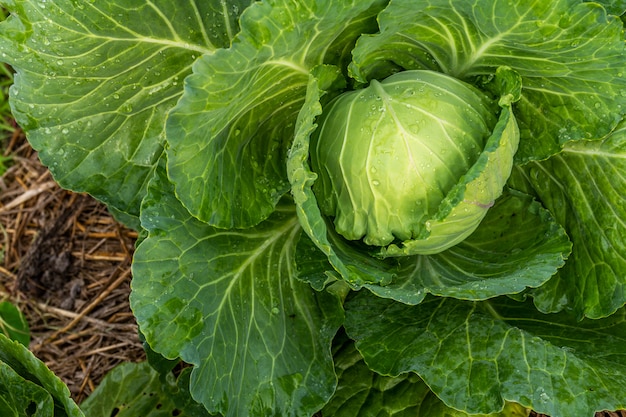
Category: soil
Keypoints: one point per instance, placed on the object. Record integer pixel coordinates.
(65, 262)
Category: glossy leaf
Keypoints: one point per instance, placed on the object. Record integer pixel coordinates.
(136, 389)
(231, 305)
(28, 387)
(585, 189)
(362, 392)
(95, 80)
(476, 355)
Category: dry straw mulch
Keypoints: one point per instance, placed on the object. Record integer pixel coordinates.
(66, 263)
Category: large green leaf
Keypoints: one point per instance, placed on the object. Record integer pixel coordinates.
(230, 132)
(22, 398)
(570, 55)
(477, 355)
(95, 81)
(362, 392)
(137, 390)
(585, 189)
(229, 302)
(28, 387)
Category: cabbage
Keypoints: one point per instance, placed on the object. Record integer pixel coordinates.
(389, 154)
(301, 248)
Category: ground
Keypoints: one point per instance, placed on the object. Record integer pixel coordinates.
(66, 263)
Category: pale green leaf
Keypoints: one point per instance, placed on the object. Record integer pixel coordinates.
(531, 250)
(518, 245)
(353, 266)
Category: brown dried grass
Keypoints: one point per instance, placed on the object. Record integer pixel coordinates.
(66, 264)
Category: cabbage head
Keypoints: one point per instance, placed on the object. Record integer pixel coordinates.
(395, 158)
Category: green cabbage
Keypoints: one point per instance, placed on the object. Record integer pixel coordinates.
(389, 154)
(276, 222)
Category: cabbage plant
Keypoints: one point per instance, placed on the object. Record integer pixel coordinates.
(389, 154)
(372, 207)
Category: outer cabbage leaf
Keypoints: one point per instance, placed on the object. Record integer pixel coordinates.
(230, 132)
(585, 188)
(28, 387)
(230, 304)
(570, 55)
(95, 81)
(486, 267)
(157, 361)
(22, 398)
(616, 7)
(362, 392)
(435, 407)
(136, 389)
(477, 355)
